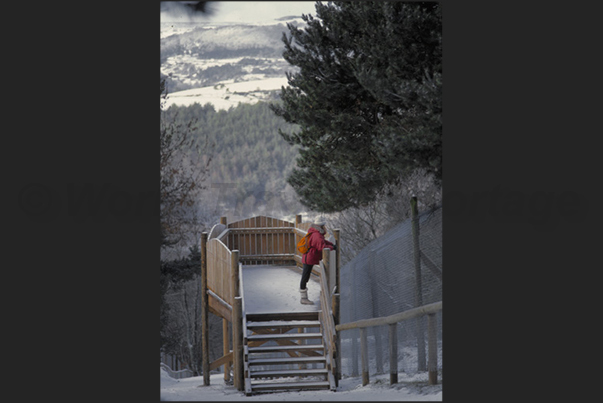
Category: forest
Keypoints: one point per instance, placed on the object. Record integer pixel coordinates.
(249, 158)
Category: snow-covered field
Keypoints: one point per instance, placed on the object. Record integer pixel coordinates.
(227, 93)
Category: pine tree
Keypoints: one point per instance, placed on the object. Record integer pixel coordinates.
(367, 99)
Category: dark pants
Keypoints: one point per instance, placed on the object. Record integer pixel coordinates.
(305, 276)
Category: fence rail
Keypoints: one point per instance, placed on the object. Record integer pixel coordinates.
(430, 310)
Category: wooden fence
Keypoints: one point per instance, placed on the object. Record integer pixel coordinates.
(430, 310)
(219, 262)
(262, 240)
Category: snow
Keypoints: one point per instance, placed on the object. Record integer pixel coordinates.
(227, 95)
(269, 289)
(350, 389)
(276, 289)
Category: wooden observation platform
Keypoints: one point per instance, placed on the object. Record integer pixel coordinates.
(281, 348)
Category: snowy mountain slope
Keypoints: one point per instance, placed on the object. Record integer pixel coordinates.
(196, 55)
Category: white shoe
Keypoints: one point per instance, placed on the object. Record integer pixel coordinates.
(304, 297)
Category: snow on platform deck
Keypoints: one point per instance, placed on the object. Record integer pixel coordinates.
(270, 289)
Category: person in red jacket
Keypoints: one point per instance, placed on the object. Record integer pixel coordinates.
(316, 243)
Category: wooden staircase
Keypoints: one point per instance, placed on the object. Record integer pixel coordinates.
(285, 351)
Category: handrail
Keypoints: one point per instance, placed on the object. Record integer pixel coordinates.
(395, 318)
(328, 323)
(254, 246)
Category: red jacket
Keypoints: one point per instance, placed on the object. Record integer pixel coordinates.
(316, 243)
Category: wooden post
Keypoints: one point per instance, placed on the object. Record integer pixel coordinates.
(364, 356)
(354, 353)
(237, 331)
(336, 307)
(223, 220)
(327, 264)
(226, 348)
(393, 353)
(418, 286)
(239, 371)
(432, 348)
(204, 311)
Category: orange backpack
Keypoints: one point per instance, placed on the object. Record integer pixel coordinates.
(302, 245)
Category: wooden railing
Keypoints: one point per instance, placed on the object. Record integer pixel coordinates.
(219, 263)
(430, 310)
(328, 326)
(262, 240)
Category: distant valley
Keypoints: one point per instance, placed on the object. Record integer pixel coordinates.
(211, 59)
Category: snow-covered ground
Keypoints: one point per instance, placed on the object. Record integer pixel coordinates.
(276, 289)
(413, 388)
(227, 93)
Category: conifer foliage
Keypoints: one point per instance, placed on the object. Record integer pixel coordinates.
(366, 97)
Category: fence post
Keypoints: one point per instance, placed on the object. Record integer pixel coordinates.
(336, 307)
(327, 264)
(364, 356)
(393, 353)
(237, 332)
(418, 285)
(204, 311)
(226, 348)
(432, 347)
(239, 371)
(223, 220)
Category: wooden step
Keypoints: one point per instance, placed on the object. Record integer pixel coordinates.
(276, 349)
(270, 316)
(287, 360)
(270, 387)
(285, 373)
(284, 336)
(283, 324)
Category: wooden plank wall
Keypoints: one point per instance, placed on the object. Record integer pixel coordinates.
(219, 270)
(261, 236)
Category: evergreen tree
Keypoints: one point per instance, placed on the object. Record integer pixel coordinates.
(367, 99)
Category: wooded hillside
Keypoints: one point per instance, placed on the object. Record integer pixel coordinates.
(249, 156)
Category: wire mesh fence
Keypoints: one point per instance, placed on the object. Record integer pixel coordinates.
(382, 280)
